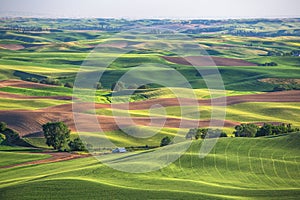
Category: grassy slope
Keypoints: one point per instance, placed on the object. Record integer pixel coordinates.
(240, 168)
(242, 112)
(46, 91)
(58, 57)
(14, 155)
(100, 95)
(235, 168)
(17, 104)
(132, 136)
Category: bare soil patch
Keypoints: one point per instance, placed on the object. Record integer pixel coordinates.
(13, 47)
(22, 84)
(27, 84)
(282, 96)
(208, 61)
(17, 96)
(28, 122)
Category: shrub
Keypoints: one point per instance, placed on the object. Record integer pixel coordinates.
(118, 86)
(144, 87)
(50, 81)
(223, 134)
(133, 87)
(165, 141)
(204, 133)
(32, 80)
(9, 136)
(284, 87)
(213, 133)
(3, 126)
(98, 85)
(269, 64)
(69, 85)
(2, 138)
(77, 145)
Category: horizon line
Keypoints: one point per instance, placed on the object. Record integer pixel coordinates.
(158, 18)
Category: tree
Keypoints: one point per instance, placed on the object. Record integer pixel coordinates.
(290, 129)
(265, 130)
(215, 133)
(133, 86)
(143, 87)
(118, 86)
(2, 138)
(97, 86)
(57, 135)
(77, 145)
(50, 81)
(204, 132)
(10, 136)
(191, 134)
(212, 133)
(165, 141)
(196, 133)
(3, 126)
(32, 79)
(280, 129)
(245, 130)
(223, 134)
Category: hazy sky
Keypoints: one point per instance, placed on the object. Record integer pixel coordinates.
(134, 9)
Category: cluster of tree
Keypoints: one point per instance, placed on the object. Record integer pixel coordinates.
(119, 86)
(57, 135)
(138, 148)
(29, 29)
(280, 53)
(251, 33)
(275, 53)
(205, 30)
(24, 29)
(284, 87)
(101, 26)
(233, 27)
(204, 21)
(7, 135)
(295, 53)
(50, 81)
(269, 64)
(252, 130)
(202, 133)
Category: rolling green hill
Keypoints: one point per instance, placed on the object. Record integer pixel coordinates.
(53, 55)
(242, 112)
(237, 168)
